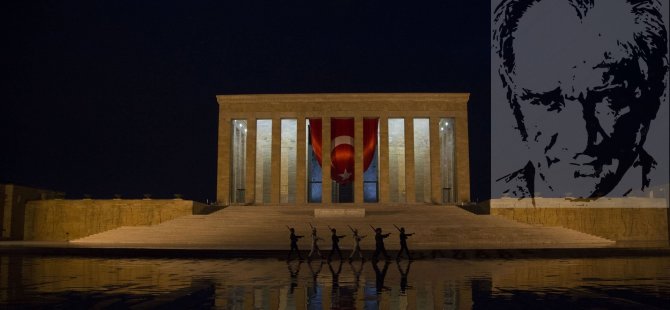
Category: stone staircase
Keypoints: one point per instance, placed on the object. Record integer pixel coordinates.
(264, 228)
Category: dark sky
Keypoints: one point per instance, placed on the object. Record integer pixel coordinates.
(118, 97)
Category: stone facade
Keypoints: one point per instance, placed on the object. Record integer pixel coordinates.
(13, 199)
(620, 219)
(432, 106)
(61, 220)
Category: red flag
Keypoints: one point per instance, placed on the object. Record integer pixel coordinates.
(315, 136)
(369, 141)
(342, 145)
(342, 150)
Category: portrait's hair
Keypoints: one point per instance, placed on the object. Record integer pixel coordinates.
(649, 45)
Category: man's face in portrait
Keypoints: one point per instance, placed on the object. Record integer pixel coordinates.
(582, 97)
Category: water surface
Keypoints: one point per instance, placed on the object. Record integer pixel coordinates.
(66, 282)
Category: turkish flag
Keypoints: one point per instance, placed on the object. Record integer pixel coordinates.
(342, 145)
(369, 141)
(315, 137)
(342, 150)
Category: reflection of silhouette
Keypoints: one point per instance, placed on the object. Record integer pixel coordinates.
(315, 272)
(293, 270)
(380, 275)
(403, 277)
(294, 244)
(335, 289)
(336, 275)
(336, 244)
(379, 244)
(314, 290)
(357, 273)
(403, 243)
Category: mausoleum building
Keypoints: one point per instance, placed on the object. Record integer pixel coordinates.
(384, 149)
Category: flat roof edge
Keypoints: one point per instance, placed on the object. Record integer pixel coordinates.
(342, 97)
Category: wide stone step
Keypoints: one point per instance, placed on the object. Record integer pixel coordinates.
(247, 227)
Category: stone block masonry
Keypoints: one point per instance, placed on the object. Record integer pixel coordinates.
(620, 219)
(61, 220)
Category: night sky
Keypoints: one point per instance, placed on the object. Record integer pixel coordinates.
(118, 97)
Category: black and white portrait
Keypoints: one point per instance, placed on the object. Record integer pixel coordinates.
(579, 97)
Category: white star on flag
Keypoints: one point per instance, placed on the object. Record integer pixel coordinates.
(345, 175)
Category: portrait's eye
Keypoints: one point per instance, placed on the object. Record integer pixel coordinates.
(552, 100)
(618, 100)
(617, 106)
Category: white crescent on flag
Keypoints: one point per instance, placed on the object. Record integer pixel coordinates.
(339, 140)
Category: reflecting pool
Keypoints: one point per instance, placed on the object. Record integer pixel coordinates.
(67, 282)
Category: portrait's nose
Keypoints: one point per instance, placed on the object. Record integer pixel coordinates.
(574, 127)
(593, 122)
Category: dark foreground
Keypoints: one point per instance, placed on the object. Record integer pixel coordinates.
(39, 281)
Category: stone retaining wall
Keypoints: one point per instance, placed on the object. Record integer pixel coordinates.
(620, 219)
(59, 219)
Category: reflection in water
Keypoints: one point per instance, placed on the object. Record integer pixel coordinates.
(67, 282)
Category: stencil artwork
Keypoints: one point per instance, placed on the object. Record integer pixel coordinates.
(579, 98)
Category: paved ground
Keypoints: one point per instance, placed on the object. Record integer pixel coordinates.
(250, 230)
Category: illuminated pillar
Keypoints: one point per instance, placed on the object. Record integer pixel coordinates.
(326, 183)
(409, 161)
(223, 160)
(301, 162)
(462, 177)
(358, 160)
(435, 169)
(250, 182)
(383, 160)
(276, 160)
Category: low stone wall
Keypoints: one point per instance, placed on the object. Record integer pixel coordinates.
(620, 219)
(60, 220)
(339, 212)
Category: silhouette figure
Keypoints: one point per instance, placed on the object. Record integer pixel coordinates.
(336, 244)
(380, 275)
(379, 244)
(403, 243)
(315, 245)
(294, 275)
(294, 244)
(403, 277)
(357, 245)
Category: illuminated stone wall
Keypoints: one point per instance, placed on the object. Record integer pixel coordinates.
(620, 219)
(59, 219)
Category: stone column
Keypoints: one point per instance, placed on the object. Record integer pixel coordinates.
(383, 159)
(326, 183)
(301, 165)
(409, 161)
(275, 160)
(462, 155)
(223, 160)
(250, 181)
(358, 160)
(273, 298)
(435, 171)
